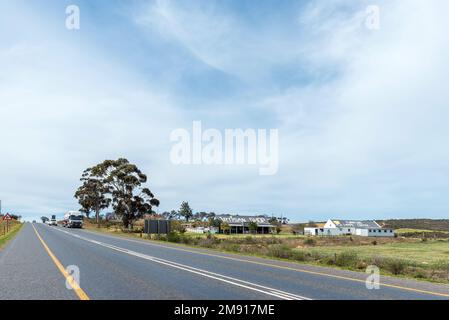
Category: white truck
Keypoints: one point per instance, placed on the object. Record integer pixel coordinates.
(53, 221)
(73, 219)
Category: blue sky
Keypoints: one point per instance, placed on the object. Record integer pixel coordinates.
(361, 114)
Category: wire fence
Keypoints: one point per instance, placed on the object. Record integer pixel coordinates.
(7, 227)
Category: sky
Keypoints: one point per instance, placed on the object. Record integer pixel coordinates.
(361, 113)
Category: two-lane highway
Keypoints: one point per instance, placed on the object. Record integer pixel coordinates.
(33, 267)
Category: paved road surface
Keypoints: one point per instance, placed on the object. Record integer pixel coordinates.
(32, 267)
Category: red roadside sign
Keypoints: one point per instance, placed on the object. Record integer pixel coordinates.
(7, 217)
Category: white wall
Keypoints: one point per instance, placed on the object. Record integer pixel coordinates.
(342, 231)
(382, 233)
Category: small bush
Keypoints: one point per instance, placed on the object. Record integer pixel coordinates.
(233, 247)
(329, 260)
(173, 237)
(441, 265)
(249, 240)
(310, 242)
(315, 255)
(361, 265)
(420, 274)
(298, 255)
(207, 243)
(395, 266)
(280, 251)
(272, 240)
(346, 259)
(374, 243)
(378, 261)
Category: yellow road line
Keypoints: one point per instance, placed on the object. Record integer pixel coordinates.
(293, 269)
(79, 292)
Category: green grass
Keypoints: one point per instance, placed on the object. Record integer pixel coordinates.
(14, 230)
(420, 252)
(409, 230)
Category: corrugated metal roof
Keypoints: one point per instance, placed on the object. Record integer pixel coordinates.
(361, 224)
(244, 220)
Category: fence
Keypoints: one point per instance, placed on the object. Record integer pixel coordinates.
(7, 227)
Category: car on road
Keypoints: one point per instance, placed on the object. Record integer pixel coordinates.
(73, 219)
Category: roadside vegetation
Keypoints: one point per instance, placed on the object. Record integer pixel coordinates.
(7, 236)
(419, 258)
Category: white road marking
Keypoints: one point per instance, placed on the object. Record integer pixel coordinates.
(208, 274)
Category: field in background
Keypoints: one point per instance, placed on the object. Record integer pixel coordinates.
(417, 224)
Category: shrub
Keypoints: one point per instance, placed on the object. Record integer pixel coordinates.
(280, 251)
(420, 274)
(374, 242)
(233, 247)
(315, 255)
(441, 265)
(272, 240)
(395, 266)
(346, 259)
(249, 240)
(173, 237)
(298, 255)
(330, 260)
(207, 243)
(310, 242)
(177, 226)
(378, 261)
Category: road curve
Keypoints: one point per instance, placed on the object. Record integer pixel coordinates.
(33, 267)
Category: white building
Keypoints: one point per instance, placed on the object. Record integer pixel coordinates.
(364, 228)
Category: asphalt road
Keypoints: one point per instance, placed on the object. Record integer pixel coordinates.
(33, 266)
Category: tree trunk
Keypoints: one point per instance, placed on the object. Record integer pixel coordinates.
(97, 215)
(125, 221)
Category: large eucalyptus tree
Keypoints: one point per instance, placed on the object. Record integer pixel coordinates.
(121, 182)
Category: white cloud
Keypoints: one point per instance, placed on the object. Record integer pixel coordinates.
(369, 140)
(64, 108)
(362, 135)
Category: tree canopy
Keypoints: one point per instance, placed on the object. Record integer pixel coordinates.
(185, 211)
(92, 195)
(120, 183)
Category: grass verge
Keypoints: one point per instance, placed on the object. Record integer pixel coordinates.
(15, 228)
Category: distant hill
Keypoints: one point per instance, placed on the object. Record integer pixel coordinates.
(424, 224)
